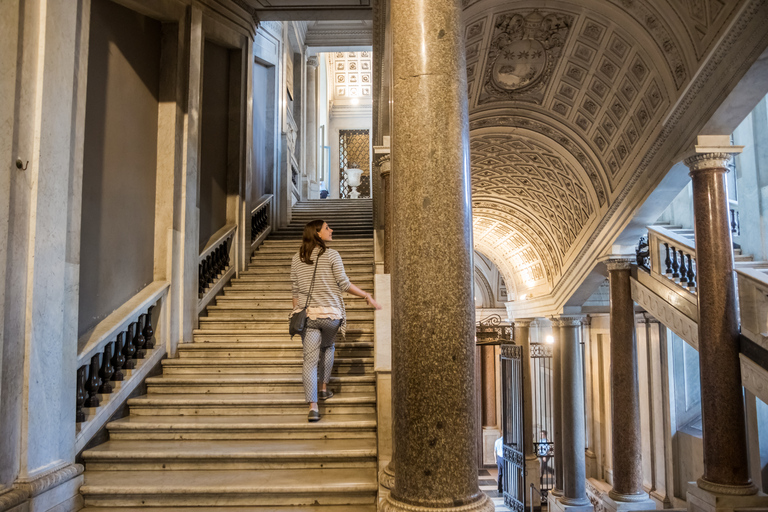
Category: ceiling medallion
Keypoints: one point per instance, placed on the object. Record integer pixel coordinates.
(523, 54)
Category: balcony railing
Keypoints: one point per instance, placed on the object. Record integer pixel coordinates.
(672, 257)
(214, 266)
(261, 224)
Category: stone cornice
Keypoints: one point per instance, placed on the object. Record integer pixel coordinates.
(48, 480)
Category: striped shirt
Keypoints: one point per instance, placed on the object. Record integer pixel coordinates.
(330, 282)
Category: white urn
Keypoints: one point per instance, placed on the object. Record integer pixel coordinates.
(354, 178)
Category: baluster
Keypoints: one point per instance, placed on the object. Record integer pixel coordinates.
(667, 260)
(209, 268)
(149, 331)
(201, 279)
(106, 370)
(691, 273)
(219, 262)
(80, 395)
(118, 360)
(138, 340)
(93, 382)
(129, 351)
(683, 270)
(226, 253)
(675, 266)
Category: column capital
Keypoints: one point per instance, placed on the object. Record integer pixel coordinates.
(712, 152)
(313, 61)
(384, 163)
(571, 320)
(619, 263)
(522, 322)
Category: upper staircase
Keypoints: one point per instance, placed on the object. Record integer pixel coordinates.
(349, 218)
(225, 425)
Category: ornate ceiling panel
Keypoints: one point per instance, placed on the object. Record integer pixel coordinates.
(566, 100)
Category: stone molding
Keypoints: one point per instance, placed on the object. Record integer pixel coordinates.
(26, 488)
(708, 161)
(754, 378)
(387, 477)
(730, 490)
(48, 480)
(483, 504)
(628, 498)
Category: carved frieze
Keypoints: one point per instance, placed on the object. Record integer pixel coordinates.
(524, 50)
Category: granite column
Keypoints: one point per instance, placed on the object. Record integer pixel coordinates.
(722, 406)
(532, 464)
(572, 418)
(557, 407)
(433, 315)
(627, 492)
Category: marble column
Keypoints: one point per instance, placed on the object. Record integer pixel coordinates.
(572, 417)
(313, 187)
(722, 406)
(627, 492)
(532, 464)
(433, 314)
(383, 163)
(557, 408)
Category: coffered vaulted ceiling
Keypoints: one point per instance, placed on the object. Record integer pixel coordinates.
(566, 99)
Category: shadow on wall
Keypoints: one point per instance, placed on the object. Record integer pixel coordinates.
(119, 160)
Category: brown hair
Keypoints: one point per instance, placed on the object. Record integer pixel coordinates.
(310, 240)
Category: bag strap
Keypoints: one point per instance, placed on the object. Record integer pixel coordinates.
(311, 286)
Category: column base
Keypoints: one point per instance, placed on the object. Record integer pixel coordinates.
(532, 472)
(614, 502)
(701, 500)
(484, 504)
(561, 504)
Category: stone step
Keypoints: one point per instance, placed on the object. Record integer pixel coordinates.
(231, 487)
(233, 404)
(286, 426)
(335, 244)
(310, 508)
(254, 307)
(243, 312)
(258, 268)
(234, 384)
(266, 336)
(121, 455)
(349, 255)
(235, 351)
(282, 324)
(243, 292)
(285, 277)
(267, 365)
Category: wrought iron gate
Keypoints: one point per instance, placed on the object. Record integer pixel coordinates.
(353, 148)
(513, 430)
(541, 372)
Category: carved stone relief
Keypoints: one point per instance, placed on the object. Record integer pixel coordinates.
(523, 53)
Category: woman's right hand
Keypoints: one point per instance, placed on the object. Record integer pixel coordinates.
(369, 298)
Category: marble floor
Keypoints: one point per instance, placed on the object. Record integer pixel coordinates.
(489, 485)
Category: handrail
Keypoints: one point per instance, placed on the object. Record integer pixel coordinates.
(672, 237)
(266, 198)
(216, 240)
(93, 341)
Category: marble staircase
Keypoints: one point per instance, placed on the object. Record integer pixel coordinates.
(224, 428)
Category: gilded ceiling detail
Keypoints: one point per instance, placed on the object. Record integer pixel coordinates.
(523, 54)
